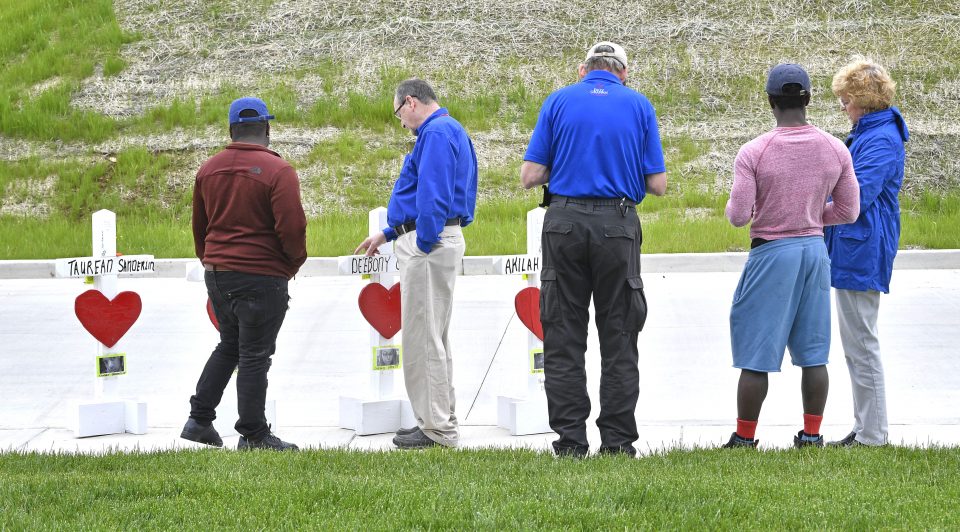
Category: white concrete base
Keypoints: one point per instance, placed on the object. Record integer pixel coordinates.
(100, 418)
(227, 417)
(523, 416)
(375, 416)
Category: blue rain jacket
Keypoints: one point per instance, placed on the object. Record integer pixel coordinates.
(862, 253)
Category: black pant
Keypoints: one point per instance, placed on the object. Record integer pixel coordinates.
(250, 309)
(591, 247)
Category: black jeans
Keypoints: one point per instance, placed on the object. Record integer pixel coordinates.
(250, 309)
(591, 247)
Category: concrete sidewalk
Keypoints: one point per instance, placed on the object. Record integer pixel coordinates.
(687, 389)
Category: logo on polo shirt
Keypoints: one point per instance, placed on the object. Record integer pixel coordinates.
(256, 170)
(599, 91)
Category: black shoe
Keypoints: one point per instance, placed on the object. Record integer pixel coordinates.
(568, 451)
(270, 441)
(623, 450)
(414, 440)
(799, 442)
(849, 441)
(204, 434)
(737, 441)
(403, 432)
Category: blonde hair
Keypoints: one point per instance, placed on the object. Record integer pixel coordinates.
(866, 84)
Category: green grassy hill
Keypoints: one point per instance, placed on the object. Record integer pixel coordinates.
(114, 104)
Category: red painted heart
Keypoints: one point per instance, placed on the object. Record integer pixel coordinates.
(107, 320)
(212, 315)
(381, 308)
(527, 304)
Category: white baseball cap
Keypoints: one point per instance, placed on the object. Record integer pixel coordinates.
(618, 52)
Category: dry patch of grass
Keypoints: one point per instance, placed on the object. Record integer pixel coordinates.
(28, 198)
(702, 62)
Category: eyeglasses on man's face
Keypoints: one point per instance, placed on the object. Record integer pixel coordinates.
(396, 112)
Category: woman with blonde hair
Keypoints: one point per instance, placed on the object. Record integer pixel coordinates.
(862, 253)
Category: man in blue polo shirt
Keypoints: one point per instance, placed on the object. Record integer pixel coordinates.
(434, 197)
(598, 146)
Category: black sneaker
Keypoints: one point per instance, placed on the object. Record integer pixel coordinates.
(850, 440)
(799, 442)
(204, 434)
(736, 441)
(414, 440)
(270, 441)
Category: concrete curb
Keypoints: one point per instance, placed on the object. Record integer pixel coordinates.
(911, 259)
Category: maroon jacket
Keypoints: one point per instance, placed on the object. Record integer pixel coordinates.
(247, 214)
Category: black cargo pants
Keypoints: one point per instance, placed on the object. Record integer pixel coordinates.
(591, 247)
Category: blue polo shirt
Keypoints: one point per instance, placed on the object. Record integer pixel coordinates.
(598, 138)
(438, 181)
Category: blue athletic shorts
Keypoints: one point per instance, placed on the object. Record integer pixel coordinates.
(782, 300)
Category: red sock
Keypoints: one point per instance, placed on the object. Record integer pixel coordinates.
(746, 429)
(811, 424)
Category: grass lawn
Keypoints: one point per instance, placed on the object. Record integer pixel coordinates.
(885, 488)
(669, 226)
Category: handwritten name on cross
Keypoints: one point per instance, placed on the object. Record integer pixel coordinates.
(103, 312)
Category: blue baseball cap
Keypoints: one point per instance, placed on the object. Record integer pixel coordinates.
(785, 74)
(251, 103)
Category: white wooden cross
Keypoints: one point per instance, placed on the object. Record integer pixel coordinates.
(380, 411)
(527, 414)
(108, 413)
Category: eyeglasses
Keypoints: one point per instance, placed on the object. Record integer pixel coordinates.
(396, 112)
(843, 104)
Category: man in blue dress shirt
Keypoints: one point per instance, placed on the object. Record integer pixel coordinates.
(434, 196)
(597, 144)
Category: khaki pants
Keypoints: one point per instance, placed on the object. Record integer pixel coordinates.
(426, 301)
(857, 314)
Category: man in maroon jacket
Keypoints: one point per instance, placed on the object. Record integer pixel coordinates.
(249, 230)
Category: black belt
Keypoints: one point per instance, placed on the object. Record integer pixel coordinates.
(616, 202)
(412, 226)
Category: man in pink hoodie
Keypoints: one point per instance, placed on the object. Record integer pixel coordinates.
(790, 182)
